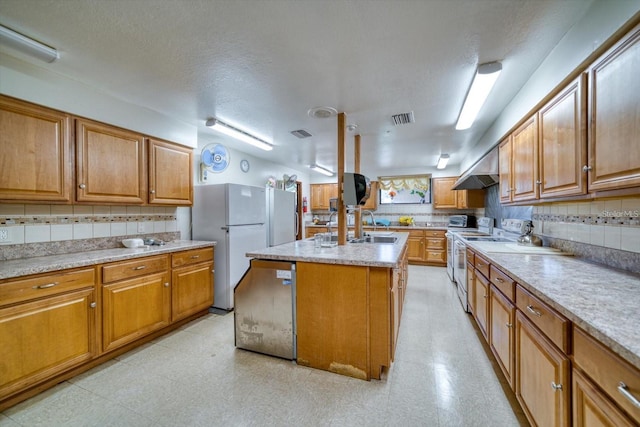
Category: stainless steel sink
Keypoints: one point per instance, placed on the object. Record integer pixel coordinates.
(381, 239)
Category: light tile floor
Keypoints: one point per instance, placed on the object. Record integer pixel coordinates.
(442, 376)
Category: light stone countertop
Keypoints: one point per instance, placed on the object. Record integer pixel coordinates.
(383, 228)
(365, 254)
(603, 301)
(25, 266)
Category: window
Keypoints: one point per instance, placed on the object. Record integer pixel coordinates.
(404, 189)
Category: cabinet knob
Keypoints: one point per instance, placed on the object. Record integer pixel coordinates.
(555, 386)
(82, 186)
(93, 305)
(622, 388)
(509, 325)
(586, 168)
(485, 296)
(166, 285)
(152, 191)
(533, 310)
(538, 182)
(213, 271)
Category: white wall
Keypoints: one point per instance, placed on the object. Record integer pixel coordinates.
(31, 83)
(599, 23)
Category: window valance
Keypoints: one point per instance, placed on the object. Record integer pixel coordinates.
(405, 182)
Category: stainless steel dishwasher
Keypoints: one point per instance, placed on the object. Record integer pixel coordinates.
(264, 314)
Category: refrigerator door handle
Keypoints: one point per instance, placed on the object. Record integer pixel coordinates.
(296, 219)
(224, 228)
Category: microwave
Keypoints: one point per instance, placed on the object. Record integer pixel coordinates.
(462, 221)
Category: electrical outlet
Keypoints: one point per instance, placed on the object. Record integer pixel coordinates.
(5, 235)
(141, 227)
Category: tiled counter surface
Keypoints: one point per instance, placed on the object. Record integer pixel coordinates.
(366, 254)
(602, 301)
(44, 264)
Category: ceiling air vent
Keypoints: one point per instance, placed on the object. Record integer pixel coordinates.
(403, 118)
(301, 133)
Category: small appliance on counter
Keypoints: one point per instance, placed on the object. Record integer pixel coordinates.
(462, 221)
(527, 238)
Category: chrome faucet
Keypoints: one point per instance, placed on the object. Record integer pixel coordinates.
(329, 222)
(373, 220)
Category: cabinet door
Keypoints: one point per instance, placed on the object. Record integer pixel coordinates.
(542, 377)
(481, 303)
(330, 192)
(614, 109)
(524, 163)
(396, 311)
(36, 162)
(592, 408)
(504, 161)
(134, 308)
(563, 142)
(317, 198)
(170, 174)
(192, 290)
(502, 333)
(471, 288)
(43, 338)
(372, 201)
(443, 195)
(415, 248)
(110, 164)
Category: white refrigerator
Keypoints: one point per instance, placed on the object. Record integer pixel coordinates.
(282, 218)
(234, 216)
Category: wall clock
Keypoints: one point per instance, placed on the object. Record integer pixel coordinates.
(244, 165)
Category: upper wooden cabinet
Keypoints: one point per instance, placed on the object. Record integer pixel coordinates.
(504, 162)
(320, 195)
(372, 201)
(36, 153)
(563, 142)
(170, 174)
(524, 163)
(444, 197)
(614, 109)
(110, 164)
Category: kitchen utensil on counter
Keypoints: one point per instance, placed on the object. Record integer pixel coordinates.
(132, 243)
(528, 239)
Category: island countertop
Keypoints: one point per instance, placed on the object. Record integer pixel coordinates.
(44, 264)
(601, 300)
(365, 254)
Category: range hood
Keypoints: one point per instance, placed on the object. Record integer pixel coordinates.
(483, 174)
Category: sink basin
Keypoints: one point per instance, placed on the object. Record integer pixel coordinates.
(381, 239)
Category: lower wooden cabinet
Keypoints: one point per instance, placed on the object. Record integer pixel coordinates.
(55, 325)
(542, 384)
(502, 314)
(192, 283)
(134, 308)
(481, 302)
(47, 326)
(415, 245)
(592, 408)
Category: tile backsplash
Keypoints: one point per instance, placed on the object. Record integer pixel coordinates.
(25, 224)
(611, 223)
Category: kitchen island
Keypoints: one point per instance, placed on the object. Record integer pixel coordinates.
(348, 303)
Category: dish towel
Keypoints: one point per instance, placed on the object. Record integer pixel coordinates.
(384, 222)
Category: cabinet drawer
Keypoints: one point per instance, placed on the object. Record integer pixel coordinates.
(36, 287)
(607, 370)
(471, 256)
(433, 243)
(552, 324)
(503, 282)
(482, 265)
(191, 257)
(436, 256)
(139, 267)
(414, 233)
(435, 233)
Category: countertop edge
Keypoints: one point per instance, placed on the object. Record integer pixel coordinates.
(12, 269)
(630, 356)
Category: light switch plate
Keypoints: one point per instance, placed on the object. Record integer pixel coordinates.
(5, 235)
(141, 227)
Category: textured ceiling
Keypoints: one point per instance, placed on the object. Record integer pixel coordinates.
(261, 64)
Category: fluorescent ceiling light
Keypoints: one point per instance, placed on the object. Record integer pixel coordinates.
(238, 134)
(483, 82)
(442, 161)
(320, 169)
(26, 45)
